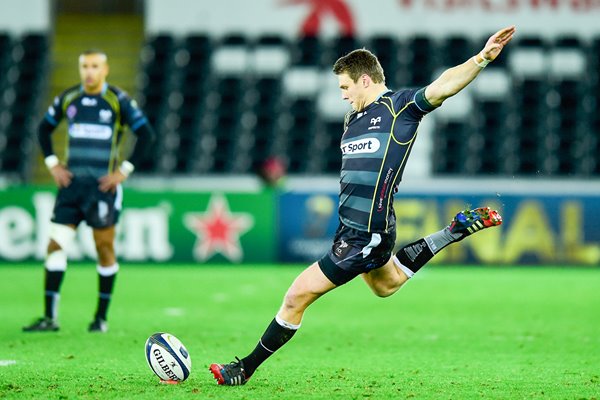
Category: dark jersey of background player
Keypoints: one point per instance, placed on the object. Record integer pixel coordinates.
(375, 146)
(94, 128)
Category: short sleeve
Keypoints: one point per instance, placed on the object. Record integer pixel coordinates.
(413, 103)
(421, 101)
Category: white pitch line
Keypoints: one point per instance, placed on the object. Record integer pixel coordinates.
(6, 363)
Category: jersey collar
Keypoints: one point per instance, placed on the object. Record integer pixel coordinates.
(377, 99)
(381, 95)
(103, 91)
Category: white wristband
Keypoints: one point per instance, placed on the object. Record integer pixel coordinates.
(51, 161)
(482, 64)
(126, 168)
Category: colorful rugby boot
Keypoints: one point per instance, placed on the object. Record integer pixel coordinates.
(468, 222)
(231, 374)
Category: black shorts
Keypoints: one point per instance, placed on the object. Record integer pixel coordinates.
(83, 201)
(355, 252)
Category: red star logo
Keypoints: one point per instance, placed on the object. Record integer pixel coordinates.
(218, 230)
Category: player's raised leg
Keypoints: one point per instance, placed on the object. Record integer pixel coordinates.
(386, 280)
(306, 288)
(413, 256)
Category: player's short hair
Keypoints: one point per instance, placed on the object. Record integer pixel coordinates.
(358, 62)
(89, 52)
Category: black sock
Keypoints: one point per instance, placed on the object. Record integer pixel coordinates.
(105, 289)
(52, 282)
(413, 256)
(274, 337)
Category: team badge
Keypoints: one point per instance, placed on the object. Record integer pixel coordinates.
(71, 111)
(105, 115)
(341, 249)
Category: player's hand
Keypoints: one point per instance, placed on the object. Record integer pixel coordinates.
(109, 183)
(497, 41)
(62, 176)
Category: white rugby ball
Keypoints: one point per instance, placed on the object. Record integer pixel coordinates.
(167, 357)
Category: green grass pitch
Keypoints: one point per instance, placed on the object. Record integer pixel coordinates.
(449, 333)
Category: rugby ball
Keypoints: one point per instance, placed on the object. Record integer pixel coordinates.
(168, 358)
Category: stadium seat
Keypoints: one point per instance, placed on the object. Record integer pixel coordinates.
(567, 116)
(490, 129)
(231, 57)
(301, 81)
(5, 43)
(566, 41)
(456, 50)
(268, 96)
(270, 57)
(308, 52)
(204, 149)
(422, 52)
(495, 84)
(567, 62)
(156, 55)
(158, 62)
(272, 79)
(387, 50)
(454, 126)
(302, 128)
(35, 44)
(241, 99)
(330, 145)
(330, 104)
(23, 64)
(584, 154)
(449, 151)
(340, 46)
(198, 43)
(224, 103)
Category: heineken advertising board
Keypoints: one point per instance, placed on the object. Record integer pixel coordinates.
(298, 226)
(154, 226)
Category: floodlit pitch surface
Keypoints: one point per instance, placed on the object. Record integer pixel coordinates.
(450, 333)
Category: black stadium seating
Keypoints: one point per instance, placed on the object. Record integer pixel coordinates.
(23, 66)
(235, 113)
(226, 104)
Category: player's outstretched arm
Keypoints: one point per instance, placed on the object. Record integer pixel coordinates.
(454, 79)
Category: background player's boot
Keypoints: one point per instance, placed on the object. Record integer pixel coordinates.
(98, 325)
(231, 374)
(468, 222)
(43, 324)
